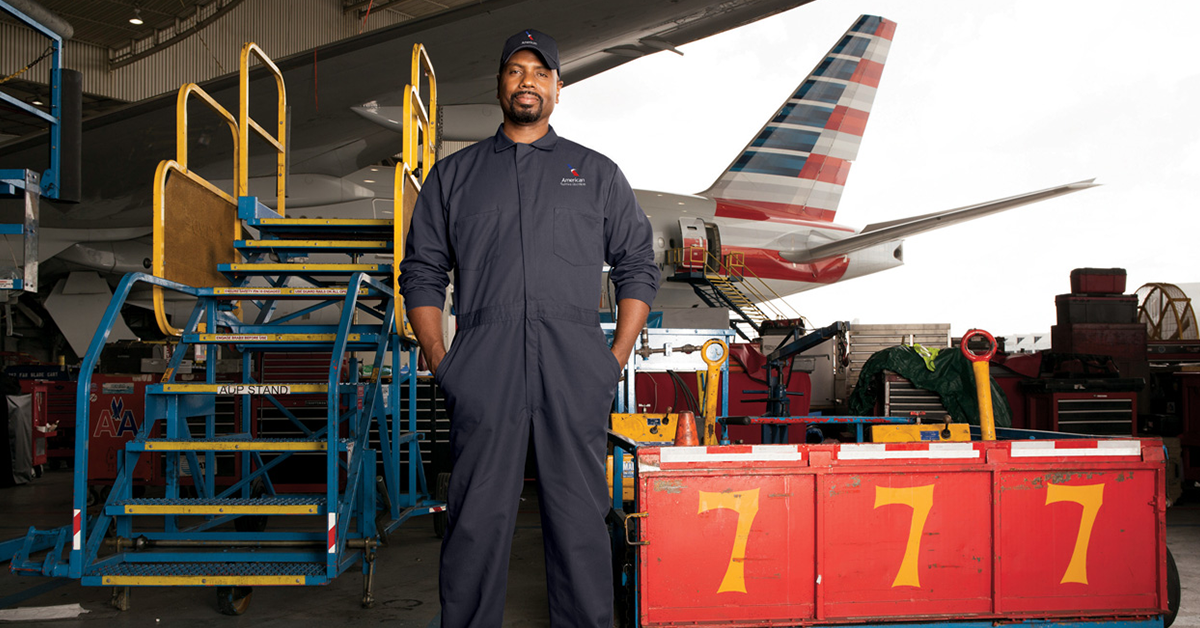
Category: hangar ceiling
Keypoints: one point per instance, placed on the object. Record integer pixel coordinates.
(113, 42)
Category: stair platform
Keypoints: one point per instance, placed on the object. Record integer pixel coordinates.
(266, 505)
(308, 293)
(305, 247)
(204, 574)
(355, 342)
(341, 228)
(240, 270)
(273, 389)
(234, 443)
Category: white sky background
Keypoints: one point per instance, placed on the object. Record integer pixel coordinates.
(979, 100)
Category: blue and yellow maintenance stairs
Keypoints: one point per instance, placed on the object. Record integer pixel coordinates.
(219, 520)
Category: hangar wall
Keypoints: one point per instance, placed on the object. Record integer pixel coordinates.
(280, 27)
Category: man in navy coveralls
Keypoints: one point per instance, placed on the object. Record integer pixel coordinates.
(525, 221)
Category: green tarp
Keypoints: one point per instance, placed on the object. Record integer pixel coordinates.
(952, 378)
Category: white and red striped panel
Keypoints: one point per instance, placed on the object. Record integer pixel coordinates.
(685, 457)
(742, 456)
(1074, 448)
(796, 166)
(908, 451)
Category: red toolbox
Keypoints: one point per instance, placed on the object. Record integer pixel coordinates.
(1073, 309)
(791, 535)
(1098, 280)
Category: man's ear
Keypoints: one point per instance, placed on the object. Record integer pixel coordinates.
(558, 92)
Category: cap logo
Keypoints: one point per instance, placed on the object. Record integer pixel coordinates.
(530, 36)
(575, 180)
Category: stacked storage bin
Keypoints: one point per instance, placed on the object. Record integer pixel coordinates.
(1098, 318)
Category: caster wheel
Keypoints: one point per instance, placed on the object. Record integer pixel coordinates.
(441, 494)
(233, 600)
(1172, 591)
(120, 598)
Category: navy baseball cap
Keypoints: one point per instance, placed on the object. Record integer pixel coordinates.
(536, 41)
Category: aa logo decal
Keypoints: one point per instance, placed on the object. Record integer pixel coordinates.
(575, 180)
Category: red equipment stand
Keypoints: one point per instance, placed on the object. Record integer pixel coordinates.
(118, 408)
(770, 535)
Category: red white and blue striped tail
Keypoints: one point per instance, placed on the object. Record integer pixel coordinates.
(795, 168)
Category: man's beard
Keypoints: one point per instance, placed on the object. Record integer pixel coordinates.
(521, 114)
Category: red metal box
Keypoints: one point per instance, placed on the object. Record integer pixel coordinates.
(117, 410)
(791, 535)
(1073, 308)
(1098, 280)
(1116, 340)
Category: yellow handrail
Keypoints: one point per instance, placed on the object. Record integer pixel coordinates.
(414, 108)
(245, 123)
(420, 134)
(181, 123)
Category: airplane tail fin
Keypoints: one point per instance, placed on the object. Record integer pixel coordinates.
(795, 168)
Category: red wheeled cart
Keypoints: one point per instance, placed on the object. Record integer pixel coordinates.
(789, 535)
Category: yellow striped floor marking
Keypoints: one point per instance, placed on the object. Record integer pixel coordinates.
(186, 445)
(321, 244)
(212, 581)
(210, 509)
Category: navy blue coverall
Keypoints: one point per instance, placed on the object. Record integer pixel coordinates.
(526, 228)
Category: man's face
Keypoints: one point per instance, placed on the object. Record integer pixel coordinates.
(526, 88)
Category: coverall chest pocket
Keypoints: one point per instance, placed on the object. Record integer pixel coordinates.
(578, 236)
(475, 239)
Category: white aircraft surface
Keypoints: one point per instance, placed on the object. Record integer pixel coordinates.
(774, 206)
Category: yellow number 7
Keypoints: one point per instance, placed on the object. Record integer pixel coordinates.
(1091, 497)
(920, 498)
(745, 504)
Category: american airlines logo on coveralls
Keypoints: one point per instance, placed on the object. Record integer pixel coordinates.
(574, 179)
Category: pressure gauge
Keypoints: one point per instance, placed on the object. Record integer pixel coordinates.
(715, 351)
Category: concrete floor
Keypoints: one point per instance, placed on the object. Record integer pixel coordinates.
(406, 576)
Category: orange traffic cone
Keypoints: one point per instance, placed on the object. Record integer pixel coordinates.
(685, 430)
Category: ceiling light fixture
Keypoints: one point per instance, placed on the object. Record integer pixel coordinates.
(37, 101)
(136, 20)
(368, 180)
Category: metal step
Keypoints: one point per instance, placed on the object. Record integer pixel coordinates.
(304, 247)
(308, 293)
(266, 505)
(232, 443)
(342, 228)
(343, 270)
(207, 574)
(237, 389)
(356, 342)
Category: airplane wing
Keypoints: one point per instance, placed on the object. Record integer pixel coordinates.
(890, 231)
(327, 137)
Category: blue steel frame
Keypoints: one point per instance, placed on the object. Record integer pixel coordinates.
(49, 187)
(368, 405)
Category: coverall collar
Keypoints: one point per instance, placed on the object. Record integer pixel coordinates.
(545, 142)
